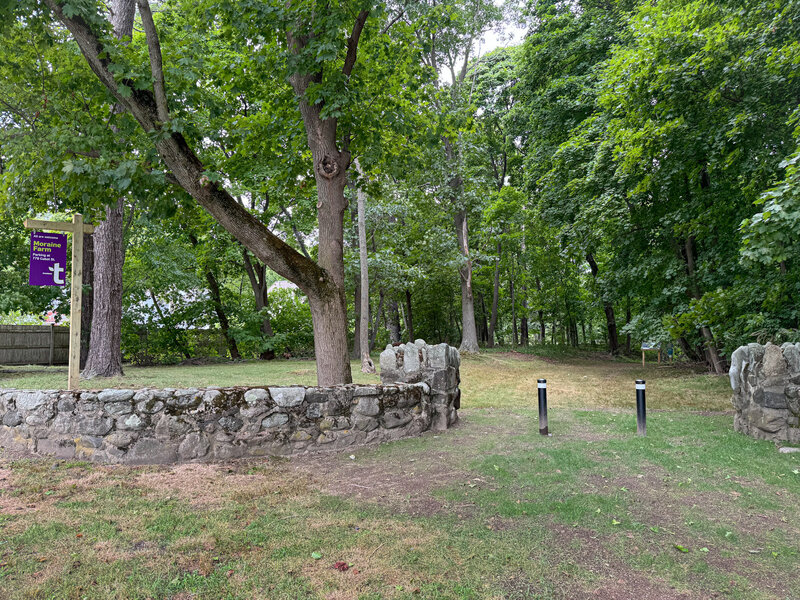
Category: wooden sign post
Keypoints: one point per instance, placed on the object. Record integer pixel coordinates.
(77, 228)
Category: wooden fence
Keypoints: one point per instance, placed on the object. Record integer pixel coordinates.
(34, 345)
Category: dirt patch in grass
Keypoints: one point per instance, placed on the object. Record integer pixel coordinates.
(618, 581)
(406, 481)
(211, 484)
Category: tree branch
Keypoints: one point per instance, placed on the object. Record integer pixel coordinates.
(352, 43)
(156, 65)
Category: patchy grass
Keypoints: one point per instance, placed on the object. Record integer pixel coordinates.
(489, 509)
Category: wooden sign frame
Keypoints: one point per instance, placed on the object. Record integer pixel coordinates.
(77, 228)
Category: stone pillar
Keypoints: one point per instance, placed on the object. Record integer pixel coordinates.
(766, 382)
(437, 366)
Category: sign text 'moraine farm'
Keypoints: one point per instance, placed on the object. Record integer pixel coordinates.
(48, 263)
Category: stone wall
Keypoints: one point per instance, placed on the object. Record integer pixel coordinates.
(418, 391)
(766, 382)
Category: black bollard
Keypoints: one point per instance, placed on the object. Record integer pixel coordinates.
(543, 406)
(641, 409)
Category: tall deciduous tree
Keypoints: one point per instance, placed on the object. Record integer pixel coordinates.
(104, 358)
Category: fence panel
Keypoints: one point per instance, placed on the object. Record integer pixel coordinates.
(34, 345)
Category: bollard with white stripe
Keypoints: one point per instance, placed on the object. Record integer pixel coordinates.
(542, 406)
(641, 409)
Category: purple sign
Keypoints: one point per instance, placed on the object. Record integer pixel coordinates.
(48, 259)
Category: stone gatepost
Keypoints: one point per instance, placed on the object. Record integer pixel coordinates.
(436, 366)
(766, 391)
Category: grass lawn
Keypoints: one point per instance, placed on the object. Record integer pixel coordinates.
(489, 509)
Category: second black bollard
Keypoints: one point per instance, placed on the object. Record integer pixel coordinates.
(542, 406)
(641, 408)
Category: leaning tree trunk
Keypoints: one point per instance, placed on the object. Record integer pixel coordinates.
(105, 347)
(469, 336)
(367, 366)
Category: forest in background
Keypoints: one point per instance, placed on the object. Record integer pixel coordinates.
(628, 173)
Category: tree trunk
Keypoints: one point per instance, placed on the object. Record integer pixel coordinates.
(608, 308)
(257, 274)
(627, 322)
(513, 309)
(409, 317)
(104, 356)
(367, 366)
(484, 320)
(712, 353)
(219, 310)
(356, 353)
(495, 298)
(394, 322)
(373, 334)
(330, 310)
(87, 299)
(523, 325)
(105, 351)
(469, 336)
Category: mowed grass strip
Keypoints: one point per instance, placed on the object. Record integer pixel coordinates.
(490, 509)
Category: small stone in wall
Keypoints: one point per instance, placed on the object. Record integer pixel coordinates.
(115, 396)
(275, 420)
(256, 396)
(231, 423)
(288, 397)
(12, 418)
(368, 406)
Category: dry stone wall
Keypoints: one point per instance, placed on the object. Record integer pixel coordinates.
(766, 391)
(418, 391)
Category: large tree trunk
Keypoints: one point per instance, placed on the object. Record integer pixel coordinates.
(87, 299)
(105, 351)
(469, 336)
(104, 356)
(329, 311)
(409, 317)
(495, 297)
(608, 308)
(367, 366)
(257, 274)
